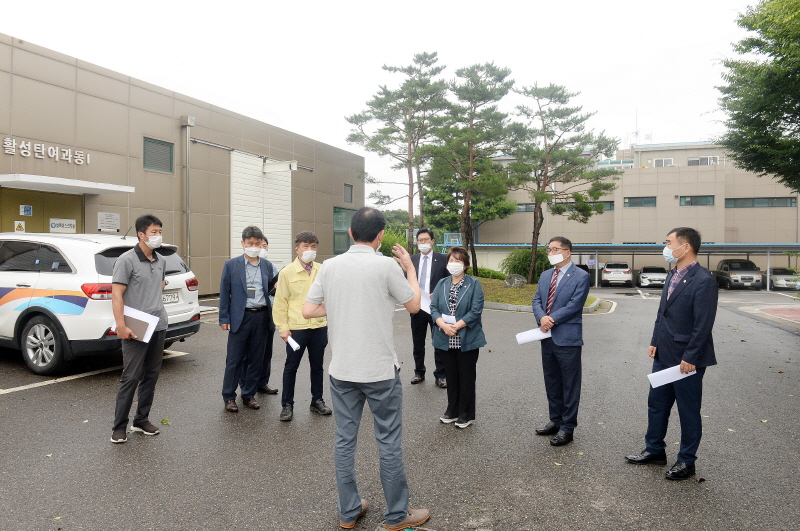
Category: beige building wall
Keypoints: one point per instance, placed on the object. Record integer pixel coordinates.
(716, 223)
(48, 97)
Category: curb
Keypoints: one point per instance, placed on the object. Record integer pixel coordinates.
(514, 308)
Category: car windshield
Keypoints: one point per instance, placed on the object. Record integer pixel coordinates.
(742, 265)
(777, 271)
(104, 261)
(619, 265)
(654, 270)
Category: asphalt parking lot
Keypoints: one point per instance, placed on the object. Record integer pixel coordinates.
(209, 469)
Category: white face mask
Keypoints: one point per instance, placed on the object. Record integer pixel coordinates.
(252, 252)
(308, 256)
(153, 242)
(263, 253)
(455, 268)
(424, 248)
(555, 258)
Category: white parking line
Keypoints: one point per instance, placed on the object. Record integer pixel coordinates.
(642, 294)
(790, 295)
(167, 354)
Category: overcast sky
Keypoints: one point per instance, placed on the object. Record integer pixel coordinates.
(304, 66)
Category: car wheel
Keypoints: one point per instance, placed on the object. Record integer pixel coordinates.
(629, 284)
(41, 346)
(604, 284)
(727, 284)
(168, 344)
(771, 286)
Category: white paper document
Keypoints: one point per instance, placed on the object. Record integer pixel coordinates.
(292, 343)
(666, 376)
(532, 335)
(138, 315)
(449, 319)
(425, 302)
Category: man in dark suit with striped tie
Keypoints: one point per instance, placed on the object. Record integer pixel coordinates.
(558, 308)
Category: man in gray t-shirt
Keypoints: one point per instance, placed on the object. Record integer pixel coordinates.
(358, 292)
(137, 282)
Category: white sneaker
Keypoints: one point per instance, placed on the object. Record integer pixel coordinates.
(447, 420)
(463, 423)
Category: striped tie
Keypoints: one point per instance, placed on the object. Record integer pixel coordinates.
(552, 294)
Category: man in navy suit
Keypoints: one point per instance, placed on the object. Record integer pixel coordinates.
(246, 313)
(681, 336)
(431, 267)
(558, 308)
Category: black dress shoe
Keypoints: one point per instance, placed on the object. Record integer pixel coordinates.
(287, 413)
(548, 429)
(417, 379)
(266, 389)
(561, 439)
(646, 458)
(230, 405)
(680, 470)
(441, 382)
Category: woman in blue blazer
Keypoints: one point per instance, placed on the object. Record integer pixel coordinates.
(456, 307)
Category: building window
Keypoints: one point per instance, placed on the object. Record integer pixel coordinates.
(761, 202)
(526, 207)
(348, 193)
(640, 201)
(157, 155)
(341, 222)
(703, 161)
(697, 200)
(622, 164)
(662, 163)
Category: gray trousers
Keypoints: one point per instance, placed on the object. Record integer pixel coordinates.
(386, 403)
(141, 363)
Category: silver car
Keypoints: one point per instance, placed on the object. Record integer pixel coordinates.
(783, 278)
(651, 277)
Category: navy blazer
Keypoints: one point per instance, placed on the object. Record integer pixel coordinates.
(438, 267)
(233, 290)
(683, 325)
(567, 310)
(469, 308)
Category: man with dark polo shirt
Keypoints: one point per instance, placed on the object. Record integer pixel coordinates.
(137, 282)
(246, 313)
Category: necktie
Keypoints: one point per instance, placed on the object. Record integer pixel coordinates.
(552, 294)
(423, 273)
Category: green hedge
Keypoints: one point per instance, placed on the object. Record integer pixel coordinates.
(390, 238)
(484, 272)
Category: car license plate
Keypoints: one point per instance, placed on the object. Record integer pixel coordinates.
(169, 297)
(747, 283)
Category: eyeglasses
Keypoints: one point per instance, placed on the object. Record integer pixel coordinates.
(551, 250)
(426, 240)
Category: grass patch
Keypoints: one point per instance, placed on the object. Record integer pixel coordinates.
(494, 291)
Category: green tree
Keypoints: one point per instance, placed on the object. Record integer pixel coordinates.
(397, 122)
(762, 93)
(471, 133)
(397, 221)
(555, 156)
(444, 199)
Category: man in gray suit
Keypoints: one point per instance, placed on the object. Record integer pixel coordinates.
(558, 307)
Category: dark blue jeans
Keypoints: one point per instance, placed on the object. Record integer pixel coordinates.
(562, 381)
(245, 355)
(688, 392)
(315, 340)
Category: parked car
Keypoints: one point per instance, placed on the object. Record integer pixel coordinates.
(781, 277)
(55, 296)
(651, 276)
(616, 273)
(738, 273)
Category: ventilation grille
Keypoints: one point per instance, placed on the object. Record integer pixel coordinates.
(157, 155)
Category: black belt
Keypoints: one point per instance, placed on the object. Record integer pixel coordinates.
(255, 310)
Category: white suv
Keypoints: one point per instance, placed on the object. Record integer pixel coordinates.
(616, 273)
(55, 296)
